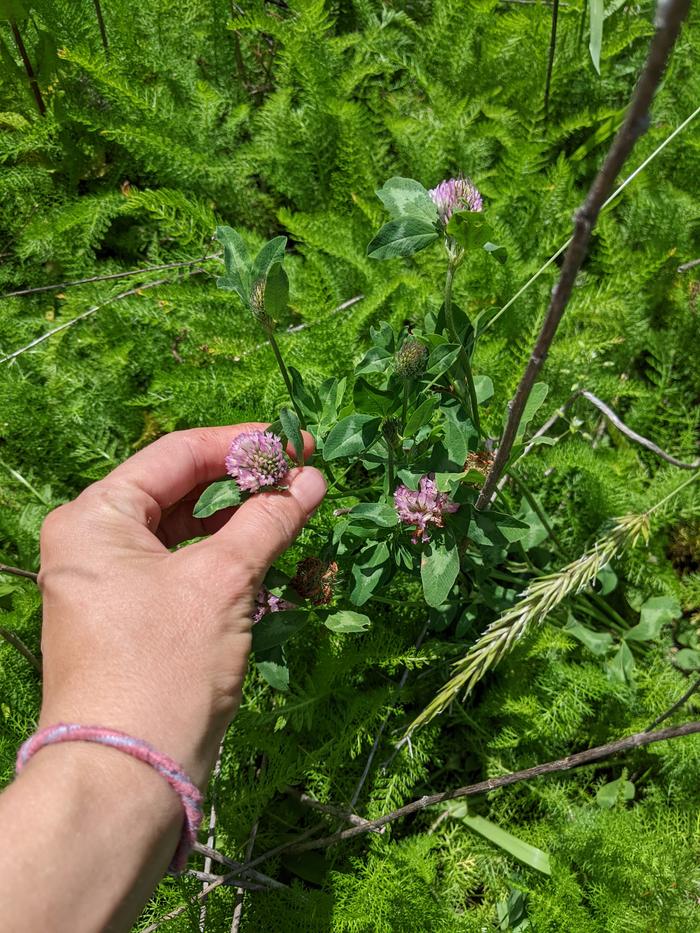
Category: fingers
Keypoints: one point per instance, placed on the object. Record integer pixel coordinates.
(268, 523)
(169, 468)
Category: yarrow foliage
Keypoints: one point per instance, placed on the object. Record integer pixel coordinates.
(256, 459)
(422, 507)
(455, 194)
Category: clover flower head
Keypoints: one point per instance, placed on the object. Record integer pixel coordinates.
(315, 579)
(455, 194)
(266, 602)
(256, 459)
(411, 359)
(422, 507)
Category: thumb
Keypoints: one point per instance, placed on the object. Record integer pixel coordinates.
(267, 524)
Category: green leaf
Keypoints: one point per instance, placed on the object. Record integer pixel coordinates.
(687, 659)
(622, 665)
(499, 253)
(420, 416)
(236, 262)
(272, 666)
(368, 571)
(470, 229)
(351, 436)
(458, 433)
(405, 197)
(272, 252)
(276, 290)
(292, 428)
(596, 642)
(275, 628)
(608, 795)
(607, 580)
(497, 529)
(14, 9)
(371, 400)
(402, 238)
(220, 495)
(375, 360)
(439, 567)
(380, 514)
(655, 613)
(483, 386)
(597, 15)
(305, 398)
(524, 852)
(535, 400)
(383, 336)
(346, 621)
(441, 358)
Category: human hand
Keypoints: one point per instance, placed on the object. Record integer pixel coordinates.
(148, 641)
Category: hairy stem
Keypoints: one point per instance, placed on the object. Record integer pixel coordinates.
(463, 355)
(285, 376)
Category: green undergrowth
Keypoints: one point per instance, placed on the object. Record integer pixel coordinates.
(283, 120)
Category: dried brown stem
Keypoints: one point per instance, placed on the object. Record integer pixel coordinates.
(329, 808)
(33, 83)
(590, 756)
(669, 16)
(676, 706)
(18, 572)
(17, 643)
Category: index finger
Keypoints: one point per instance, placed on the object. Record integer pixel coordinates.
(176, 463)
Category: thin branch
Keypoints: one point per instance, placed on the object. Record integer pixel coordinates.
(212, 831)
(590, 756)
(109, 278)
(676, 706)
(240, 893)
(670, 15)
(329, 808)
(81, 317)
(241, 868)
(18, 572)
(550, 60)
(17, 643)
(687, 266)
(101, 24)
(33, 83)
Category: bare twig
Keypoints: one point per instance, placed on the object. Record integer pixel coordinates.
(687, 266)
(33, 83)
(676, 706)
(238, 906)
(18, 572)
(17, 643)
(212, 832)
(590, 756)
(329, 808)
(550, 59)
(670, 15)
(109, 278)
(101, 24)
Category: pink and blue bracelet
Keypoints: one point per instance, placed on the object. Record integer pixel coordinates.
(189, 794)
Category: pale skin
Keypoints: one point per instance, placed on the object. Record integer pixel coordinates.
(143, 639)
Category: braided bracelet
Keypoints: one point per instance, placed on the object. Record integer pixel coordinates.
(188, 792)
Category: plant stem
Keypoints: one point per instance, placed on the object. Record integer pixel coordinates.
(390, 466)
(550, 61)
(348, 493)
(33, 83)
(101, 24)
(17, 643)
(670, 15)
(463, 355)
(404, 410)
(285, 375)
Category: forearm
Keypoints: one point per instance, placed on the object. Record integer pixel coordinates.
(87, 834)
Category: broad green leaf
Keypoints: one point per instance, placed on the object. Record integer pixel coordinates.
(458, 433)
(292, 428)
(375, 360)
(276, 628)
(497, 529)
(597, 15)
(236, 262)
(524, 852)
(220, 495)
(367, 572)
(383, 336)
(351, 436)
(405, 197)
(470, 229)
(687, 659)
(441, 358)
(346, 621)
(371, 400)
(439, 567)
(622, 665)
(276, 290)
(607, 580)
(305, 398)
(402, 238)
(655, 613)
(271, 252)
(377, 513)
(483, 386)
(596, 642)
(535, 400)
(272, 666)
(499, 253)
(609, 794)
(420, 416)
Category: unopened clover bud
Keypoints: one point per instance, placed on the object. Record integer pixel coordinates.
(411, 359)
(391, 430)
(257, 306)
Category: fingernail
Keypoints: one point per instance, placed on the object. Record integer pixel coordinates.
(308, 487)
